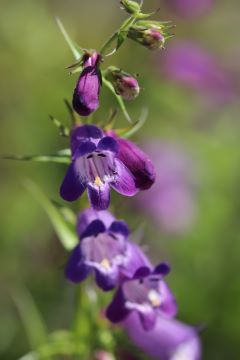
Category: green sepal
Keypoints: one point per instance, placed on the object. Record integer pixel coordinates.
(63, 130)
(131, 130)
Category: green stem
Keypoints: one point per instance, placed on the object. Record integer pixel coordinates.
(108, 42)
(127, 23)
(119, 100)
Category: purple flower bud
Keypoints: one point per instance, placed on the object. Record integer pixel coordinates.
(137, 162)
(151, 37)
(104, 248)
(86, 94)
(124, 84)
(168, 340)
(95, 166)
(145, 294)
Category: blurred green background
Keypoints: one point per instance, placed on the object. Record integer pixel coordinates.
(34, 82)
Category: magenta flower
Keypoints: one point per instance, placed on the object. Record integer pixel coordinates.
(190, 8)
(149, 36)
(86, 94)
(137, 161)
(104, 249)
(168, 340)
(95, 167)
(189, 64)
(171, 200)
(124, 84)
(145, 294)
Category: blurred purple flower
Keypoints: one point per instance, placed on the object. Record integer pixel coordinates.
(86, 94)
(190, 8)
(145, 294)
(137, 161)
(168, 340)
(170, 202)
(190, 65)
(95, 166)
(105, 249)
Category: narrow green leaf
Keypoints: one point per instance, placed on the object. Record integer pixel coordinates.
(30, 356)
(131, 130)
(64, 229)
(62, 157)
(30, 316)
(75, 49)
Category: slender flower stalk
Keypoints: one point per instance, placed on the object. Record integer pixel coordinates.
(99, 159)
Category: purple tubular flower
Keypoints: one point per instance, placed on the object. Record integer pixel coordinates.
(138, 163)
(86, 94)
(168, 340)
(95, 166)
(145, 294)
(104, 248)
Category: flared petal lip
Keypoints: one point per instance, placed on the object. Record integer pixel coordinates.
(99, 197)
(72, 187)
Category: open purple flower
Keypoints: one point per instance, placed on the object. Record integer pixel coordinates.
(86, 94)
(137, 161)
(168, 340)
(104, 248)
(145, 294)
(95, 166)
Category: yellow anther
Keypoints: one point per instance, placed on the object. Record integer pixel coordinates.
(154, 298)
(98, 181)
(105, 264)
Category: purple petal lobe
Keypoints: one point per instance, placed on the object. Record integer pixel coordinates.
(108, 144)
(142, 272)
(89, 215)
(148, 319)
(76, 270)
(119, 227)
(94, 228)
(117, 311)
(84, 148)
(168, 340)
(169, 306)
(72, 187)
(124, 183)
(162, 269)
(99, 196)
(106, 283)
